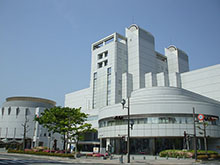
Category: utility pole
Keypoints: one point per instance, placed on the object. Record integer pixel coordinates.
(128, 142)
(205, 140)
(123, 102)
(195, 141)
(204, 134)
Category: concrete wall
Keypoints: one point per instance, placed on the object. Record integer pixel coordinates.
(12, 119)
(160, 101)
(81, 98)
(205, 81)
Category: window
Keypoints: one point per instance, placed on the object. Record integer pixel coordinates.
(108, 97)
(95, 76)
(94, 89)
(9, 110)
(100, 56)
(109, 71)
(106, 53)
(17, 111)
(3, 111)
(26, 111)
(99, 65)
(106, 62)
(109, 82)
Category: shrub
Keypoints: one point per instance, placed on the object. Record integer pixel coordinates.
(214, 156)
(90, 154)
(203, 157)
(183, 153)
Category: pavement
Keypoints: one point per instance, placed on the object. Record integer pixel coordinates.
(116, 159)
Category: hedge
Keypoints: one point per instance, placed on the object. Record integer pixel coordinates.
(41, 153)
(184, 153)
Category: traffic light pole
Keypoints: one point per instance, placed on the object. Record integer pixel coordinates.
(205, 140)
(123, 102)
(195, 141)
(128, 140)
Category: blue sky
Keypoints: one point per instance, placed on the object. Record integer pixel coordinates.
(45, 45)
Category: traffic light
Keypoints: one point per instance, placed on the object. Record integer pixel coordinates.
(207, 118)
(118, 117)
(210, 118)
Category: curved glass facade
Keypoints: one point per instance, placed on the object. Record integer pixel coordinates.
(153, 120)
(149, 146)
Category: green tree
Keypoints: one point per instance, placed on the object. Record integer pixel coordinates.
(69, 122)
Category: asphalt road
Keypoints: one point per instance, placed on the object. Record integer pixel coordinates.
(24, 160)
(9, 159)
(35, 160)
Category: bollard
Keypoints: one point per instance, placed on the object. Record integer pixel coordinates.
(121, 159)
(167, 157)
(155, 157)
(132, 157)
(111, 157)
(144, 158)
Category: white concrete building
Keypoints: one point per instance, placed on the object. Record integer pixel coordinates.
(15, 111)
(162, 94)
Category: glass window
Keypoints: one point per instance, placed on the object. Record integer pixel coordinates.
(109, 71)
(106, 62)
(171, 120)
(109, 82)
(9, 110)
(154, 120)
(3, 111)
(183, 120)
(109, 92)
(178, 120)
(162, 120)
(190, 120)
(149, 120)
(17, 111)
(141, 121)
(100, 56)
(95, 75)
(99, 64)
(106, 53)
(26, 111)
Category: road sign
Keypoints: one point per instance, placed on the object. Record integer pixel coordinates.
(201, 117)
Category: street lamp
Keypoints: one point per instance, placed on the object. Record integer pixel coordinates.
(123, 102)
(195, 140)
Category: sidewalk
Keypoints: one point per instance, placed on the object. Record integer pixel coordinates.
(135, 159)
